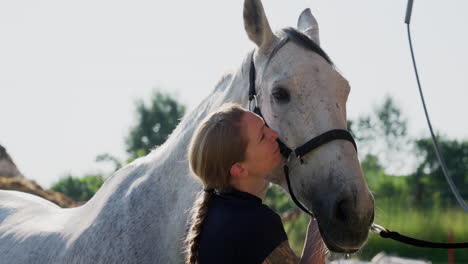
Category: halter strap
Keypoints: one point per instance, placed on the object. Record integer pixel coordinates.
(302, 150)
(319, 141)
(209, 190)
(324, 138)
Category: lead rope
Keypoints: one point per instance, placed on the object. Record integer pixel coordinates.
(385, 233)
(440, 158)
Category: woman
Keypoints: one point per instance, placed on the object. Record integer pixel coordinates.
(231, 152)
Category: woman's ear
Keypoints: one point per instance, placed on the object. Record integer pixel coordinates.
(238, 171)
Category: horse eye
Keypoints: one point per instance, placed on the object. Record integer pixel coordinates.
(281, 94)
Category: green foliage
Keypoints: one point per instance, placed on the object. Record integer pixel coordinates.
(155, 122)
(432, 224)
(278, 200)
(108, 157)
(391, 124)
(381, 184)
(79, 189)
(428, 182)
(394, 212)
(363, 129)
(386, 123)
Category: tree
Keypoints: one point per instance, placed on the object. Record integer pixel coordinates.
(391, 123)
(383, 133)
(155, 122)
(428, 182)
(381, 184)
(385, 123)
(108, 157)
(79, 189)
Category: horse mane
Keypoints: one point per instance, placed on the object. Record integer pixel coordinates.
(303, 40)
(223, 82)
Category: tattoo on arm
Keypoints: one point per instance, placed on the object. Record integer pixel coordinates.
(283, 254)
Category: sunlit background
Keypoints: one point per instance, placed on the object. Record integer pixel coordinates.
(72, 71)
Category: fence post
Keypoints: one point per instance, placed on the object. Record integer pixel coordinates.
(451, 251)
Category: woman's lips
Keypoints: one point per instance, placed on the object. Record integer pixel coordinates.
(277, 149)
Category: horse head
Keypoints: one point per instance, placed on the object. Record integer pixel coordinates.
(301, 95)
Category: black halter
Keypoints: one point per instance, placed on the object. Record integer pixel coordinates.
(300, 151)
(318, 141)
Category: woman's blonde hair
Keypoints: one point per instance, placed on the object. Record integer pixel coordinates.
(218, 143)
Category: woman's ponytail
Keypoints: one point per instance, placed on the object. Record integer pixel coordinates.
(199, 212)
(217, 143)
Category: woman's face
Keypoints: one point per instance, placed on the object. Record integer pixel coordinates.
(262, 154)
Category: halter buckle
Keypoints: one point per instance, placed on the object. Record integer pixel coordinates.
(254, 99)
(295, 157)
(376, 229)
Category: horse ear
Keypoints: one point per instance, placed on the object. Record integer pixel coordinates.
(256, 24)
(308, 25)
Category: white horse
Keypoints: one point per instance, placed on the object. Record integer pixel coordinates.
(139, 215)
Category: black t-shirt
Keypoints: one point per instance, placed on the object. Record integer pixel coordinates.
(239, 229)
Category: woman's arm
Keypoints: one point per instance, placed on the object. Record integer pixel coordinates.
(314, 250)
(282, 254)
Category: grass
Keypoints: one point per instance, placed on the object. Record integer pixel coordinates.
(432, 224)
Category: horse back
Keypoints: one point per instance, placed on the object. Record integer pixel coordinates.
(27, 230)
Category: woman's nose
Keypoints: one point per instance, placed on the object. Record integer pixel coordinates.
(273, 133)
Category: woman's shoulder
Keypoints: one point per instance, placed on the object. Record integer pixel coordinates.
(265, 216)
(266, 220)
(252, 218)
(244, 209)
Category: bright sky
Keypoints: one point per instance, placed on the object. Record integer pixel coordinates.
(70, 71)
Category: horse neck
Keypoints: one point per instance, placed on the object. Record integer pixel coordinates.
(168, 163)
(232, 88)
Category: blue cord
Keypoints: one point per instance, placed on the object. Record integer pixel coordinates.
(434, 140)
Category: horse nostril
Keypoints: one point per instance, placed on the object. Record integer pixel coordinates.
(342, 210)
